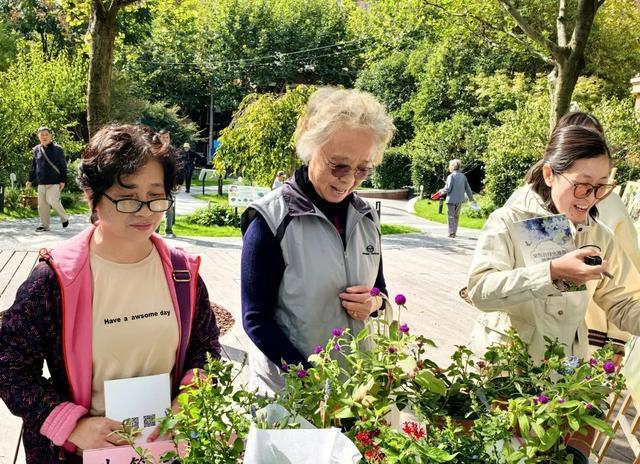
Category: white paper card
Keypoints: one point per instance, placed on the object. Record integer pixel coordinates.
(143, 400)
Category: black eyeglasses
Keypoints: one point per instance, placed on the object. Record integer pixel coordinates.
(583, 190)
(341, 170)
(130, 205)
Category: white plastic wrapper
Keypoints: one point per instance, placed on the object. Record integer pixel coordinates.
(306, 445)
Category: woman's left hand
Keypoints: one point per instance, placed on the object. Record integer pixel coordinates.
(359, 303)
(175, 407)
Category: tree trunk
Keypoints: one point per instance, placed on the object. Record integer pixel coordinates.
(103, 33)
(562, 82)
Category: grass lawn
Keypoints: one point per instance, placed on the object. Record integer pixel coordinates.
(182, 228)
(388, 229)
(428, 209)
(222, 200)
(23, 213)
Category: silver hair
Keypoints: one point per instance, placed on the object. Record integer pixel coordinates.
(330, 106)
(455, 164)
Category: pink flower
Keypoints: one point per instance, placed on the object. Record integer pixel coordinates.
(374, 291)
(284, 366)
(391, 350)
(336, 332)
(301, 374)
(588, 406)
(542, 398)
(404, 328)
(318, 349)
(400, 299)
(337, 347)
(593, 362)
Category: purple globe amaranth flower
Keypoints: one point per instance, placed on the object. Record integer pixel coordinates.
(400, 299)
(404, 328)
(375, 291)
(609, 367)
(318, 349)
(588, 406)
(587, 377)
(337, 347)
(560, 400)
(301, 374)
(542, 398)
(391, 350)
(593, 362)
(284, 366)
(336, 332)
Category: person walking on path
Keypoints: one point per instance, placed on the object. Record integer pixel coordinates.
(170, 215)
(455, 188)
(189, 156)
(49, 170)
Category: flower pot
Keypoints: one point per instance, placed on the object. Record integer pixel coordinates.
(29, 201)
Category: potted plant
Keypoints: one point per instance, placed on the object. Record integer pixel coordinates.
(29, 198)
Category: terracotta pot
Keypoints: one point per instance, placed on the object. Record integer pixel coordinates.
(29, 201)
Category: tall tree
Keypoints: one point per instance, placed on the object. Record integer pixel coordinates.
(567, 53)
(103, 30)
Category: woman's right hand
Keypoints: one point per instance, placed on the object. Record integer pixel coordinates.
(571, 266)
(96, 432)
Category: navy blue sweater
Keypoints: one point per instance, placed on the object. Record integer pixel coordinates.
(262, 268)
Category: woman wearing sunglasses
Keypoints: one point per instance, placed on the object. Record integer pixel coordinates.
(571, 179)
(112, 302)
(311, 249)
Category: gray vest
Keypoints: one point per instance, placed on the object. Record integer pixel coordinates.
(317, 269)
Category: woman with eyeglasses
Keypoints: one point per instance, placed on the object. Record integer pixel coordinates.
(311, 250)
(571, 179)
(112, 302)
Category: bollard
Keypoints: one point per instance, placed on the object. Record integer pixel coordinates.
(220, 185)
(441, 204)
(1, 197)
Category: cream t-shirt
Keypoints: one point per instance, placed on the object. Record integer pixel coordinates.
(135, 330)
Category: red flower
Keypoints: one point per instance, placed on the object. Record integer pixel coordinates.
(414, 430)
(364, 438)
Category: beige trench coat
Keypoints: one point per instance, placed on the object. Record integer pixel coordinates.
(511, 294)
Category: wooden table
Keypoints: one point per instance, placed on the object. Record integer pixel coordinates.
(15, 266)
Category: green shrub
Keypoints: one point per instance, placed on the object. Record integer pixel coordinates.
(68, 199)
(213, 215)
(395, 170)
(514, 146)
(12, 198)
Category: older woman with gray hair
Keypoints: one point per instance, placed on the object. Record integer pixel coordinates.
(455, 188)
(312, 248)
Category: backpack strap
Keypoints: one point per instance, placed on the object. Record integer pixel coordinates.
(182, 282)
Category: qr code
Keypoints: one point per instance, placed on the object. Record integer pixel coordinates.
(150, 420)
(133, 422)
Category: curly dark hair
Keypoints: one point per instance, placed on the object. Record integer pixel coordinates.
(117, 151)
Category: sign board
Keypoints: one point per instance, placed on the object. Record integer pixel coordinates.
(209, 172)
(243, 195)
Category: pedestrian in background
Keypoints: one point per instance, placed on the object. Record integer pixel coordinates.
(455, 188)
(281, 177)
(170, 215)
(189, 157)
(49, 170)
